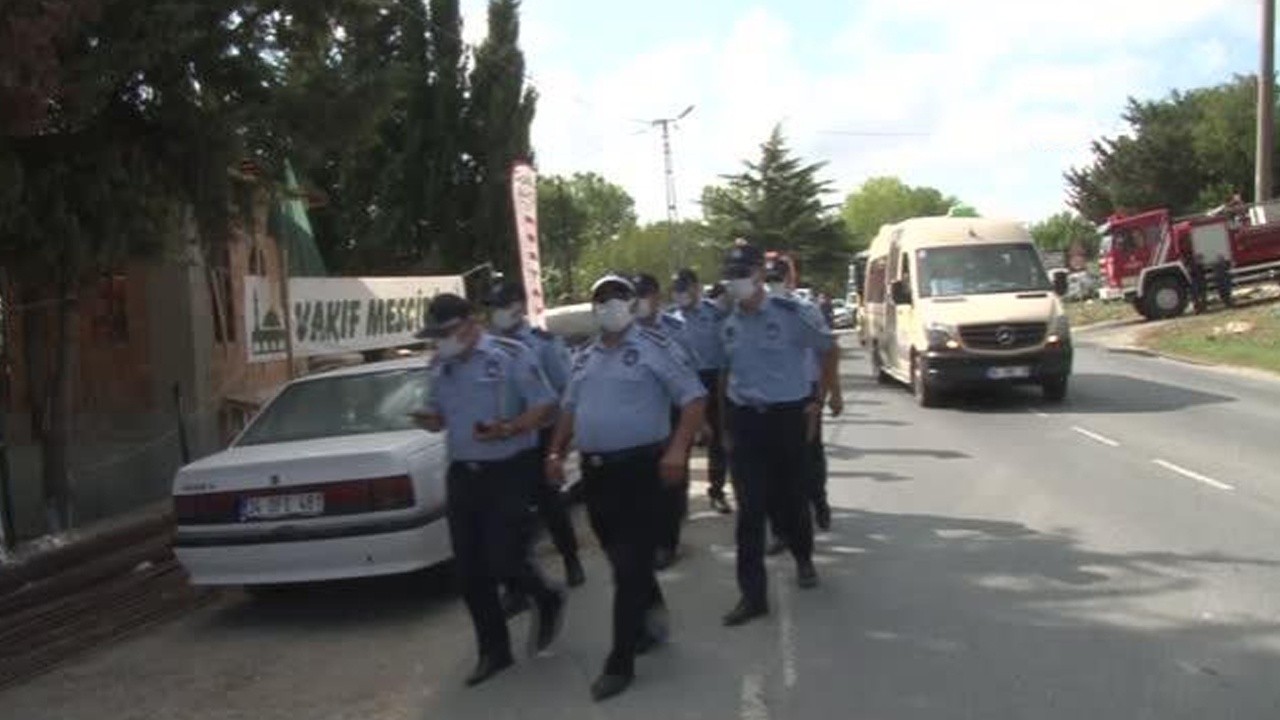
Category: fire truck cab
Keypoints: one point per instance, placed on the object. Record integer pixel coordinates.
(1146, 258)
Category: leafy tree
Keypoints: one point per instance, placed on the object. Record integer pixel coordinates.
(776, 202)
(1188, 151)
(574, 214)
(886, 200)
(1058, 232)
(647, 248)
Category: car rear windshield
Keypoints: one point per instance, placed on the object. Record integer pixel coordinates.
(341, 405)
(980, 269)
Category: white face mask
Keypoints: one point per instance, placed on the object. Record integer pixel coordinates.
(644, 308)
(450, 347)
(506, 318)
(742, 288)
(777, 288)
(613, 315)
(684, 299)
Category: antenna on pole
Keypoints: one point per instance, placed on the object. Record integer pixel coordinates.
(672, 211)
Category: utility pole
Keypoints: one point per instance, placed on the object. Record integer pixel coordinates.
(1263, 181)
(672, 214)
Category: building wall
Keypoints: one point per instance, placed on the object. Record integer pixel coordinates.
(144, 337)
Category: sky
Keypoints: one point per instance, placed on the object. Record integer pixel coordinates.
(987, 100)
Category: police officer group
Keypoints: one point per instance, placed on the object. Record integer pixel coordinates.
(746, 371)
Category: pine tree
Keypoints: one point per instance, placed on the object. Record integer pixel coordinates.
(500, 115)
(777, 203)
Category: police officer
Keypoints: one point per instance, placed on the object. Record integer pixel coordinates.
(507, 316)
(767, 398)
(702, 319)
(671, 328)
(617, 412)
(490, 397)
(778, 277)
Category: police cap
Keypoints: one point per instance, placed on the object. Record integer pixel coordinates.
(685, 280)
(612, 284)
(504, 292)
(646, 285)
(742, 260)
(446, 312)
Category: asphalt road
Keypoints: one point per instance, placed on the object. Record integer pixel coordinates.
(1113, 557)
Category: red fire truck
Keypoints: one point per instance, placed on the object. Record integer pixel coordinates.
(1145, 258)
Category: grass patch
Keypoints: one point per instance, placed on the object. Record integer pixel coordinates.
(1209, 338)
(1096, 311)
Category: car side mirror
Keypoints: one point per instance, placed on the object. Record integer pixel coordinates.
(1060, 283)
(901, 292)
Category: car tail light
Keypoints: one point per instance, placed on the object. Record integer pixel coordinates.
(391, 493)
(210, 508)
(186, 508)
(345, 498)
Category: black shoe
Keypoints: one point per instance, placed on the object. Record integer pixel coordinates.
(547, 621)
(487, 667)
(721, 505)
(574, 576)
(744, 612)
(664, 558)
(646, 643)
(806, 574)
(822, 516)
(514, 603)
(606, 686)
(777, 547)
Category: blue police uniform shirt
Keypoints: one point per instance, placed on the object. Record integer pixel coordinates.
(768, 352)
(552, 353)
(498, 380)
(671, 328)
(621, 396)
(702, 333)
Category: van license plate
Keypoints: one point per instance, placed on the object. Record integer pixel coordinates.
(278, 506)
(1005, 373)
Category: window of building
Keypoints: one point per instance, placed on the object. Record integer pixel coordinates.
(221, 298)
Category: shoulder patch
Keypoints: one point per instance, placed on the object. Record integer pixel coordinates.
(514, 348)
(654, 336)
(789, 304)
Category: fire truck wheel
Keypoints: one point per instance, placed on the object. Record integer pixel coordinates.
(1166, 297)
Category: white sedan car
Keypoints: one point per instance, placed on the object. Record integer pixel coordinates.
(332, 479)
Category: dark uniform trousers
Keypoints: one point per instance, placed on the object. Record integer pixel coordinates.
(715, 444)
(490, 527)
(624, 493)
(673, 503)
(552, 507)
(817, 453)
(769, 463)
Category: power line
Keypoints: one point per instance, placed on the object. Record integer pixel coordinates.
(874, 133)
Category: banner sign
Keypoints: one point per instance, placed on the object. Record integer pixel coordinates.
(338, 315)
(524, 195)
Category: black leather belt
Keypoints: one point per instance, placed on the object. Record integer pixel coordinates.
(600, 459)
(766, 408)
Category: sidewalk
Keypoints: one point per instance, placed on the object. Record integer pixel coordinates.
(37, 560)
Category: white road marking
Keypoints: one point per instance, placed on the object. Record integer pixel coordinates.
(753, 706)
(1095, 436)
(787, 636)
(1193, 475)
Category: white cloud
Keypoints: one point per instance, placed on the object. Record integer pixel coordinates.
(1007, 95)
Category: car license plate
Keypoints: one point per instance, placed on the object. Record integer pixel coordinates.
(1005, 373)
(277, 506)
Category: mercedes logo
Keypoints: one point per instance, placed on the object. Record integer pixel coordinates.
(1004, 335)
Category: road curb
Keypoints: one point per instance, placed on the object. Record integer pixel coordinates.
(86, 545)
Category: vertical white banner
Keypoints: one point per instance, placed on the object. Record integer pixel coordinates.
(524, 196)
